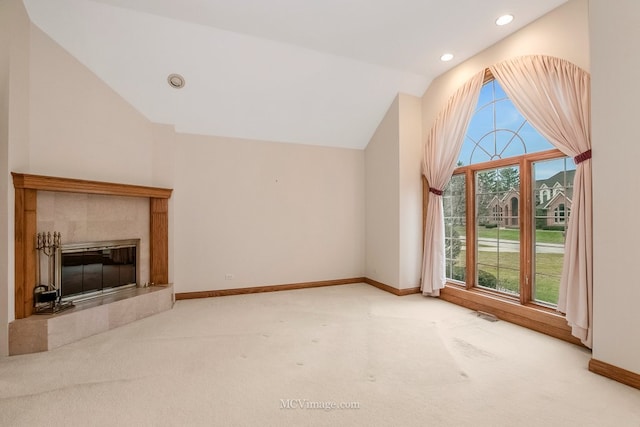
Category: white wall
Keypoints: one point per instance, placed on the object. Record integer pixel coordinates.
(79, 127)
(410, 197)
(615, 93)
(394, 196)
(267, 213)
(382, 170)
(4, 173)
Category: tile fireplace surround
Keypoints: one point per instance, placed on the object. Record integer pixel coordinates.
(42, 332)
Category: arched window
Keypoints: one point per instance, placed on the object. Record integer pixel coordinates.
(502, 158)
(544, 194)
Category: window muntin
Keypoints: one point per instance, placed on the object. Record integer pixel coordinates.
(497, 130)
(500, 146)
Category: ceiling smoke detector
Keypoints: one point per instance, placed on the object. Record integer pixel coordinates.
(176, 81)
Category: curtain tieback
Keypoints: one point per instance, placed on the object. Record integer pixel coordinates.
(436, 191)
(582, 157)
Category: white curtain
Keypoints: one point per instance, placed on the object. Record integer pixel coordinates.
(554, 96)
(441, 151)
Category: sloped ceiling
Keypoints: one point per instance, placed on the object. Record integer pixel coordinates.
(298, 71)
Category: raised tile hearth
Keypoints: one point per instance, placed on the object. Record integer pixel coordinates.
(45, 332)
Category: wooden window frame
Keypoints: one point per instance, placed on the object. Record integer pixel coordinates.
(526, 221)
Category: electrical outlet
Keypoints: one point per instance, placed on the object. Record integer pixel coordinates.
(228, 276)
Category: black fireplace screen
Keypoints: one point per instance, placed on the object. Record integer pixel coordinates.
(94, 269)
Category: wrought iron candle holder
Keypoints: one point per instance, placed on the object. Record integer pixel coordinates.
(47, 298)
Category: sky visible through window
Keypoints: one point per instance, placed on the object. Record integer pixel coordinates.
(498, 130)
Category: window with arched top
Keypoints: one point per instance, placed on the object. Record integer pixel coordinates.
(498, 131)
(545, 194)
(512, 241)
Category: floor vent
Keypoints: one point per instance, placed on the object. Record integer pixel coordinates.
(487, 316)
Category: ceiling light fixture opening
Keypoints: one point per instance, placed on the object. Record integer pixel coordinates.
(446, 57)
(504, 20)
(176, 81)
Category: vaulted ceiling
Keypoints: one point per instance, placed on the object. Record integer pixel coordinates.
(299, 71)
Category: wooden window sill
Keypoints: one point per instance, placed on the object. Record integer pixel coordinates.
(531, 316)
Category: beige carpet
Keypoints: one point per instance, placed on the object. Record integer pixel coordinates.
(278, 359)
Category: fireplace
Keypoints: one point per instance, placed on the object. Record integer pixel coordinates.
(45, 203)
(38, 208)
(91, 269)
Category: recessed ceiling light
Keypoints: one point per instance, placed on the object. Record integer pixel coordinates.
(446, 57)
(176, 81)
(504, 20)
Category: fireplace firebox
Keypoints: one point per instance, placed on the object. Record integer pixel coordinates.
(91, 269)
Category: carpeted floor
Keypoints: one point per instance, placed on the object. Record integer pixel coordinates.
(282, 359)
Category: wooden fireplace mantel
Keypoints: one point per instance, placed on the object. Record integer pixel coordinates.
(26, 188)
(70, 185)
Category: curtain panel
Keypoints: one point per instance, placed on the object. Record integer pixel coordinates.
(441, 151)
(554, 96)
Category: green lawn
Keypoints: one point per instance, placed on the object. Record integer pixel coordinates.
(504, 269)
(542, 236)
(547, 278)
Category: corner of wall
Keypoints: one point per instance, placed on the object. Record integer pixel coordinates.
(382, 175)
(410, 190)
